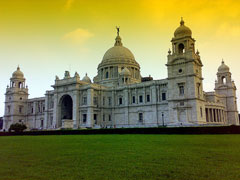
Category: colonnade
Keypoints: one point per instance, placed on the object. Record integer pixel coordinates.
(215, 115)
(113, 72)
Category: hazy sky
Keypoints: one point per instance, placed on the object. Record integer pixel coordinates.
(47, 37)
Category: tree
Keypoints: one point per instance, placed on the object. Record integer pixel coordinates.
(17, 127)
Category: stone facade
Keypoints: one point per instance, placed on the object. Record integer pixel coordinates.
(120, 97)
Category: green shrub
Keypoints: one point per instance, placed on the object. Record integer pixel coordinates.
(17, 127)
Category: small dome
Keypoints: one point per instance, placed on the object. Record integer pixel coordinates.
(125, 72)
(223, 67)
(86, 79)
(182, 31)
(18, 73)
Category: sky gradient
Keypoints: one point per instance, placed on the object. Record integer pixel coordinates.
(45, 38)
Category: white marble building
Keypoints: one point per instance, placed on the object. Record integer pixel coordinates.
(120, 97)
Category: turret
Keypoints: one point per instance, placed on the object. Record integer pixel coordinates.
(15, 100)
(226, 86)
(185, 79)
(124, 76)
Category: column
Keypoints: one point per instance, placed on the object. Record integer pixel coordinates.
(206, 112)
(223, 118)
(215, 115)
(209, 112)
(220, 115)
(76, 117)
(212, 118)
(209, 117)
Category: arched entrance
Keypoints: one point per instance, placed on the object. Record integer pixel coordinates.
(66, 111)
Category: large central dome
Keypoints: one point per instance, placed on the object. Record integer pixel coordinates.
(118, 54)
(114, 61)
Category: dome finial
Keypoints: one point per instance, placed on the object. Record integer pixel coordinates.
(118, 30)
(181, 22)
(222, 61)
(18, 68)
(118, 40)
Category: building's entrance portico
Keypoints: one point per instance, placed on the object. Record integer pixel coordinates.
(66, 112)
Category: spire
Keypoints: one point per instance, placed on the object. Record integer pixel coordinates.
(118, 40)
(181, 22)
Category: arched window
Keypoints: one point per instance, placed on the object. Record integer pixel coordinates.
(19, 84)
(120, 100)
(102, 74)
(223, 80)
(181, 48)
(106, 75)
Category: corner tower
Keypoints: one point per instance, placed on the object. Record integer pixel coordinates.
(186, 106)
(226, 86)
(15, 100)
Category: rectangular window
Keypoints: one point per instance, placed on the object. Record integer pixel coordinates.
(148, 98)
(103, 117)
(20, 109)
(52, 104)
(103, 101)
(51, 120)
(181, 90)
(109, 118)
(95, 118)
(84, 118)
(95, 101)
(140, 117)
(120, 101)
(84, 100)
(201, 111)
(163, 96)
(133, 100)
(41, 123)
(9, 109)
(141, 99)
(181, 103)
(109, 101)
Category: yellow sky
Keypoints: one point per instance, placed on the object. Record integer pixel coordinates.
(47, 37)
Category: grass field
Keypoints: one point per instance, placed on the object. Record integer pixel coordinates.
(73, 157)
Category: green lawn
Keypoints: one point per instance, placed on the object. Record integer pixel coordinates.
(170, 157)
